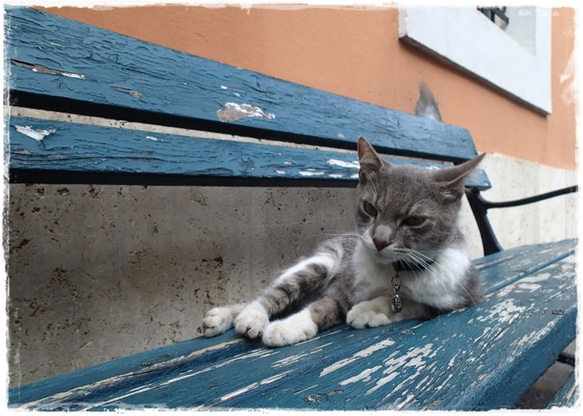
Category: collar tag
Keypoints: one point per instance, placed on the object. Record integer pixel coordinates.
(397, 306)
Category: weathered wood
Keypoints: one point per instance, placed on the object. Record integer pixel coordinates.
(58, 152)
(567, 395)
(483, 357)
(60, 64)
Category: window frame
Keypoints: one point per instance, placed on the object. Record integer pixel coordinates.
(457, 35)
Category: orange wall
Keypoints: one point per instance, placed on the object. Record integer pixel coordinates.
(355, 52)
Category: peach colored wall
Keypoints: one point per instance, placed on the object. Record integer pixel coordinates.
(355, 52)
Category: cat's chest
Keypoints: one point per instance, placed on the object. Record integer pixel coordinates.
(371, 280)
(438, 286)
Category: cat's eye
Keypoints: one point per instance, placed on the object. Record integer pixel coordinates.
(369, 209)
(413, 221)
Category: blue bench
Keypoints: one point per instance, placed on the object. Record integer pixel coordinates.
(483, 357)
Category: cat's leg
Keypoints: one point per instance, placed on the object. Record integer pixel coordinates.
(288, 288)
(377, 312)
(218, 320)
(319, 315)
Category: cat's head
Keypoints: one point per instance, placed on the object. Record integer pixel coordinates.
(405, 211)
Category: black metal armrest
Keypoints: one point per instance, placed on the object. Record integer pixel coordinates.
(480, 207)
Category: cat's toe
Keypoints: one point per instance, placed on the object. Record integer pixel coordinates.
(251, 321)
(280, 333)
(366, 319)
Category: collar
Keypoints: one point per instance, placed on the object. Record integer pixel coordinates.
(401, 266)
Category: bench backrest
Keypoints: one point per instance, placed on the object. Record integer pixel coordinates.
(295, 135)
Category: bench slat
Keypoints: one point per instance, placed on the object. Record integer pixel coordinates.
(62, 65)
(336, 373)
(78, 153)
(567, 395)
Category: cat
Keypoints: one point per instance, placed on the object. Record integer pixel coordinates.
(408, 260)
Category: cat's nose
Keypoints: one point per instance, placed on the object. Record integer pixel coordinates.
(379, 244)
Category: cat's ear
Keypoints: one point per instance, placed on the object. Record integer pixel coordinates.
(368, 158)
(452, 179)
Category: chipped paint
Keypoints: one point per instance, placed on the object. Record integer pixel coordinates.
(133, 93)
(366, 352)
(289, 360)
(528, 286)
(37, 135)
(253, 386)
(44, 70)
(364, 375)
(537, 278)
(344, 164)
(310, 173)
(233, 112)
(505, 311)
(415, 358)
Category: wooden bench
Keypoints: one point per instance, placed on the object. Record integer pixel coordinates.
(483, 357)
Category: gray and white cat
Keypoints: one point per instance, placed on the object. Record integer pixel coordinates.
(407, 260)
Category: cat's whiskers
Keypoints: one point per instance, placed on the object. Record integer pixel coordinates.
(338, 234)
(418, 259)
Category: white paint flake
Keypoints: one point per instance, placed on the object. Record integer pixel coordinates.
(505, 311)
(365, 375)
(343, 164)
(357, 355)
(310, 173)
(289, 360)
(253, 386)
(415, 358)
(536, 278)
(234, 112)
(37, 135)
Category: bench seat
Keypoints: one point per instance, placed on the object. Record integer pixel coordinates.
(481, 358)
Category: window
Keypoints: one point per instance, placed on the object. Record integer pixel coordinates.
(514, 57)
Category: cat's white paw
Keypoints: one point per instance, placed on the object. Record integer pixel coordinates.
(365, 316)
(217, 321)
(251, 321)
(296, 328)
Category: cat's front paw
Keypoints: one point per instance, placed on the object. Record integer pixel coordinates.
(281, 333)
(251, 321)
(364, 316)
(216, 321)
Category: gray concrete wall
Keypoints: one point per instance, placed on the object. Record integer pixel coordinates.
(100, 272)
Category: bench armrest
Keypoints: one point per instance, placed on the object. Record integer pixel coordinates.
(480, 207)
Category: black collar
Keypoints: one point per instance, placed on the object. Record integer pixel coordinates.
(402, 266)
